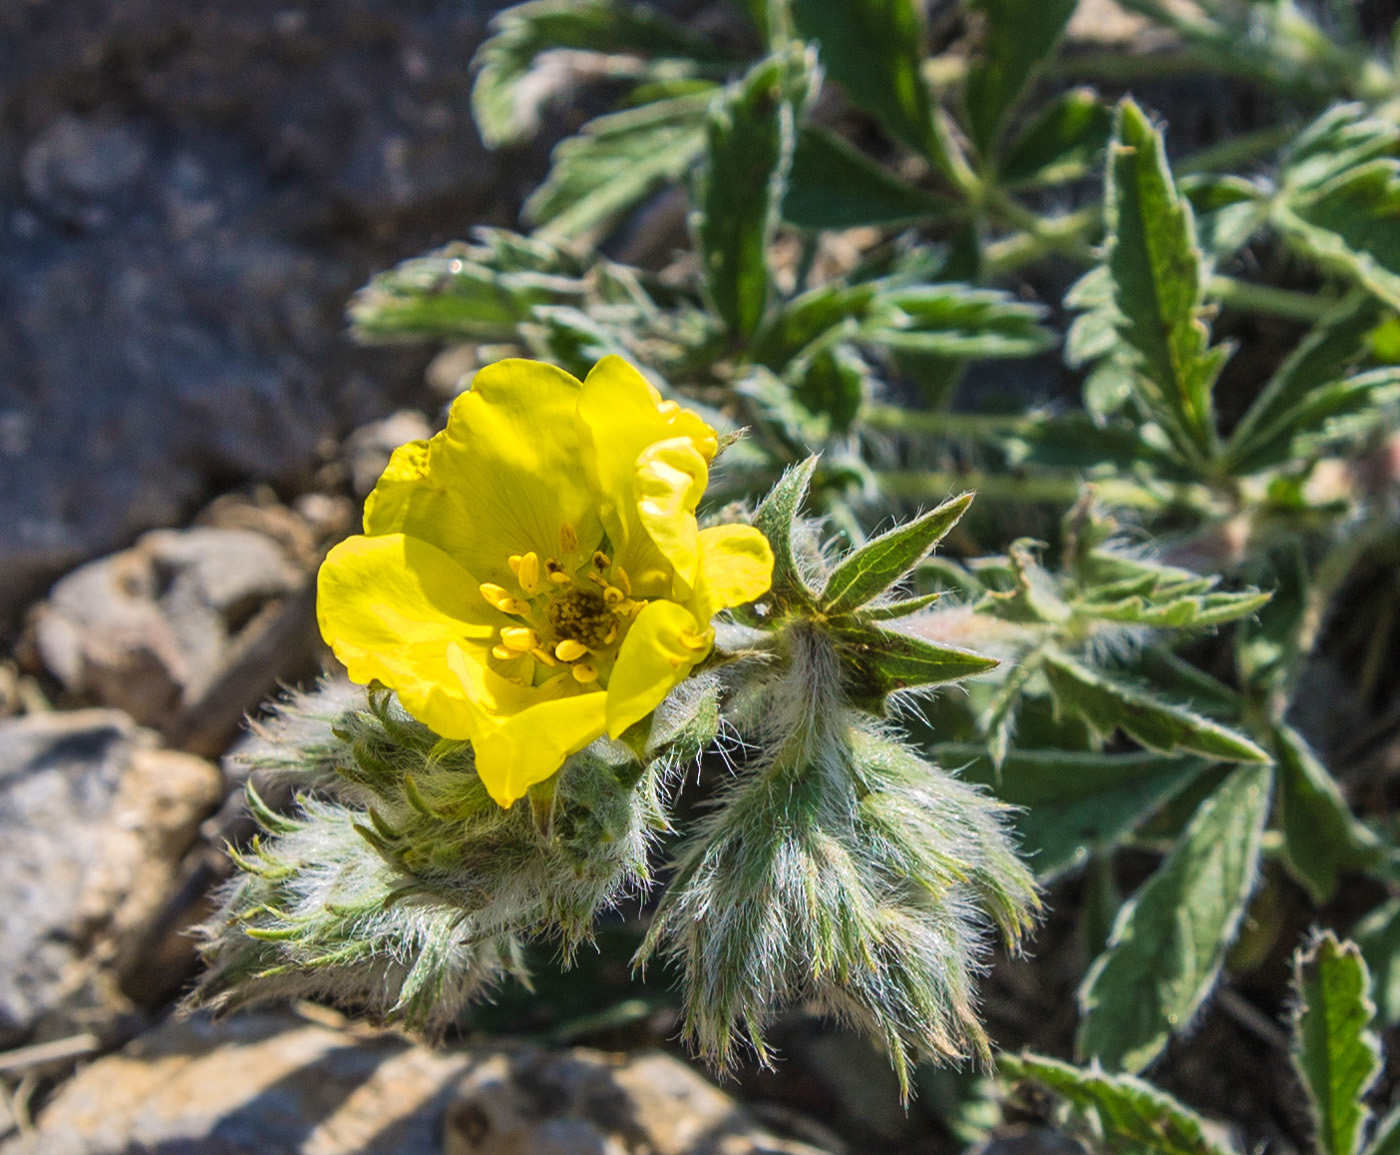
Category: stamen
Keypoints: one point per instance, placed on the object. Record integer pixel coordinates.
(520, 638)
(570, 650)
(601, 561)
(503, 653)
(621, 580)
(557, 573)
(584, 673)
(540, 654)
(611, 635)
(528, 572)
(568, 538)
(514, 562)
(614, 597)
(502, 600)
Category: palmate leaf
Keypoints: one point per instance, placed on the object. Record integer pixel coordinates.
(1107, 704)
(874, 49)
(504, 113)
(1335, 1052)
(1072, 803)
(1158, 282)
(1019, 37)
(869, 571)
(617, 160)
(1120, 1114)
(1170, 939)
(748, 145)
(954, 321)
(835, 186)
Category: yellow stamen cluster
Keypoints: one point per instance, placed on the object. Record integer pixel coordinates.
(567, 621)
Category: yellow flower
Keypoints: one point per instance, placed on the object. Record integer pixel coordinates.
(533, 577)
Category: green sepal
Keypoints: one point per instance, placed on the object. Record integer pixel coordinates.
(774, 519)
(877, 662)
(870, 570)
(900, 609)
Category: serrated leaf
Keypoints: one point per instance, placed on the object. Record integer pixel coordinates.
(874, 49)
(1108, 705)
(835, 186)
(1264, 435)
(869, 571)
(1123, 1114)
(1158, 284)
(748, 147)
(1071, 803)
(1170, 939)
(1170, 610)
(615, 161)
(1385, 1139)
(1321, 836)
(954, 321)
(505, 112)
(1019, 37)
(878, 662)
(1061, 143)
(774, 518)
(1335, 1052)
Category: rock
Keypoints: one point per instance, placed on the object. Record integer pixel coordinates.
(368, 449)
(94, 819)
(272, 1084)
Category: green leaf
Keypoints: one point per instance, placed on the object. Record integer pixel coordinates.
(506, 113)
(954, 321)
(1228, 211)
(1019, 37)
(774, 518)
(1378, 936)
(1335, 1052)
(878, 662)
(749, 140)
(1385, 1139)
(874, 49)
(615, 161)
(835, 186)
(1158, 283)
(1170, 939)
(1108, 705)
(833, 383)
(1121, 1114)
(869, 571)
(449, 294)
(1071, 803)
(1062, 142)
(1321, 836)
(1337, 342)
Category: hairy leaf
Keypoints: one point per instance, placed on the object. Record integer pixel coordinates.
(1170, 939)
(1158, 281)
(1019, 37)
(870, 570)
(775, 517)
(1072, 803)
(1335, 1052)
(874, 49)
(1061, 143)
(1228, 211)
(615, 161)
(506, 112)
(834, 186)
(1107, 704)
(1124, 1115)
(879, 662)
(954, 321)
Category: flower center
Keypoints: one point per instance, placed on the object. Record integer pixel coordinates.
(572, 612)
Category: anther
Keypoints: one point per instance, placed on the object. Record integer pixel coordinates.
(540, 654)
(584, 673)
(501, 599)
(621, 580)
(614, 597)
(503, 653)
(557, 573)
(514, 562)
(528, 572)
(601, 561)
(520, 638)
(570, 650)
(568, 538)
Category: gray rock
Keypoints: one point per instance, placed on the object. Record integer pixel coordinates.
(94, 819)
(150, 629)
(367, 450)
(271, 1084)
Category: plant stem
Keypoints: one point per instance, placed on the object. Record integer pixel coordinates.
(1256, 298)
(932, 485)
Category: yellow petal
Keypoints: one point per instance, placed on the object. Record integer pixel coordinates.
(391, 607)
(736, 566)
(500, 479)
(670, 480)
(621, 415)
(662, 646)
